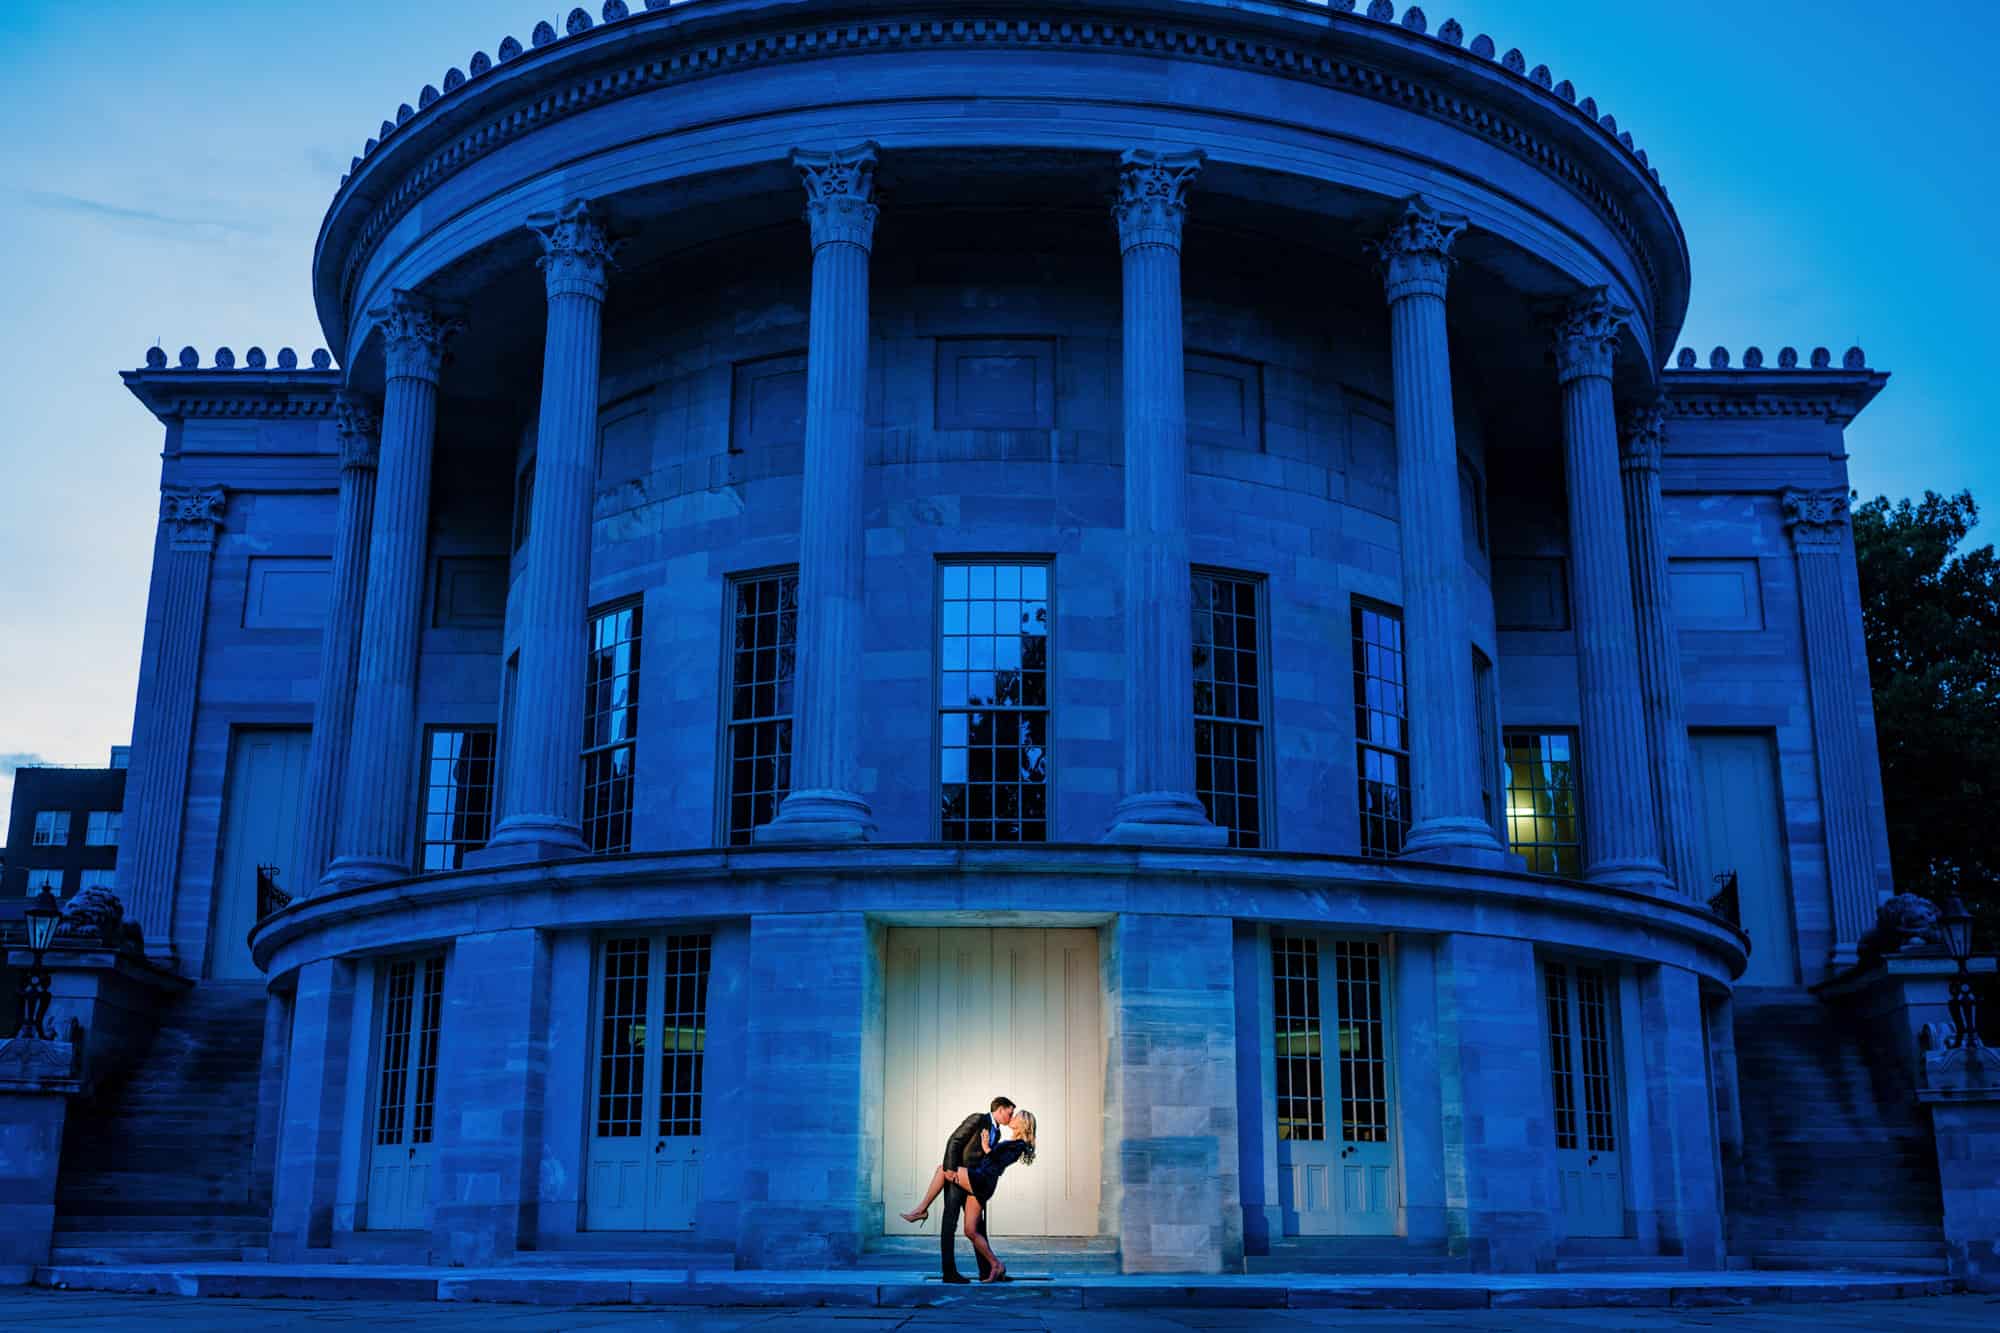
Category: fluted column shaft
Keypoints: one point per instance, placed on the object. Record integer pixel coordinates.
(1621, 835)
(1159, 802)
(823, 804)
(373, 842)
(340, 645)
(1660, 653)
(1818, 521)
(541, 813)
(155, 801)
(1448, 818)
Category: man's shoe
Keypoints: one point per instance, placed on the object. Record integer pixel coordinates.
(954, 1277)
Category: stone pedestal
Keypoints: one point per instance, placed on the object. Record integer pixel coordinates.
(1498, 1155)
(490, 1097)
(1171, 1182)
(1962, 1088)
(37, 1079)
(116, 997)
(541, 816)
(1419, 1090)
(316, 1072)
(1892, 1000)
(1256, 1090)
(1620, 833)
(824, 805)
(1686, 1191)
(1449, 822)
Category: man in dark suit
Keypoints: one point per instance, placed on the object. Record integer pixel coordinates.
(965, 1148)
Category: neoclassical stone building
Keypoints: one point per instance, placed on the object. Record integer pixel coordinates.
(1137, 554)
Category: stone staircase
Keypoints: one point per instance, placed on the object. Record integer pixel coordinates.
(158, 1168)
(1355, 1254)
(1839, 1170)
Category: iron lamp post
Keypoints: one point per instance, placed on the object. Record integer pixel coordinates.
(43, 914)
(1957, 926)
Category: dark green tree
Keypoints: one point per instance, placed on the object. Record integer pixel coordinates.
(1931, 611)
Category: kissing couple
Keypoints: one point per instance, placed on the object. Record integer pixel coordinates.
(978, 1151)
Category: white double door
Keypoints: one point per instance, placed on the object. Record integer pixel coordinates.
(974, 1014)
(406, 1063)
(646, 1107)
(1584, 1075)
(1335, 1100)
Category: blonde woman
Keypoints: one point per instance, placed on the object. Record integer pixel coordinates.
(1017, 1144)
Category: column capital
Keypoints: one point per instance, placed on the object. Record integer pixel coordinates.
(414, 334)
(1817, 520)
(577, 250)
(360, 426)
(1585, 334)
(195, 513)
(1643, 435)
(1152, 196)
(840, 193)
(1415, 254)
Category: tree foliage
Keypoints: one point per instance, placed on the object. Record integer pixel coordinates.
(1931, 611)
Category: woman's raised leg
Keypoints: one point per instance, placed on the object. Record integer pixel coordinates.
(923, 1210)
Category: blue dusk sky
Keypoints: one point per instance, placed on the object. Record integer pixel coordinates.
(166, 167)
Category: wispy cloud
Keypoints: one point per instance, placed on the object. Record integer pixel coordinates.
(19, 759)
(143, 217)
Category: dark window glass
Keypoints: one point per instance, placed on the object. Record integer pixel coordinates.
(764, 622)
(1228, 706)
(1381, 730)
(1543, 824)
(458, 795)
(993, 690)
(611, 729)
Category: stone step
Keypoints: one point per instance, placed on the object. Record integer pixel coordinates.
(1275, 1262)
(1870, 1248)
(1805, 1226)
(114, 1256)
(1822, 1263)
(232, 1239)
(1622, 1263)
(140, 1218)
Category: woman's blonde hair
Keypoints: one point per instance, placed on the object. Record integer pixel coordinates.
(1024, 1130)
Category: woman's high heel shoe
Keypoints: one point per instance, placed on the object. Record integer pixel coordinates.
(914, 1218)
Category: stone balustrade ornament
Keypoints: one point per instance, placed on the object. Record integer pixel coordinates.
(840, 193)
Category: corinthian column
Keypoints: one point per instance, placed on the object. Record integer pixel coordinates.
(1659, 650)
(1818, 522)
(541, 811)
(1621, 837)
(823, 805)
(155, 799)
(1449, 820)
(373, 842)
(1159, 803)
(340, 646)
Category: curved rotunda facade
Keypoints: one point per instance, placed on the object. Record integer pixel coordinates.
(1135, 555)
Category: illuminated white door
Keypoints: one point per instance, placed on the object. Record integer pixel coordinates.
(974, 1014)
(1583, 1070)
(1336, 1171)
(264, 797)
(646, 1107)
(399, 1164)
(1743, 833)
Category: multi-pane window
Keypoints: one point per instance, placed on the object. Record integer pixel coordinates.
(611, 729)
(52, 880)
(683, 1032)
(96, 879)
(1562, 1074)
(412, 1010)
(621, 1038)
(1542, 822)
(1228, 706)
(101, 828)
(652, 1038)
(764, 622)
(1381, 730)
(1364, 1060)
(1581, 1065)
(1295, 1007)
(51, 828)
(458, 795)
(1486, 714)
(993, 696)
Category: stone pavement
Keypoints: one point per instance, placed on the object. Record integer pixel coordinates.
(89, 1311)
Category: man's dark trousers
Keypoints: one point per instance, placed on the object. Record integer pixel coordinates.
(954, 1203)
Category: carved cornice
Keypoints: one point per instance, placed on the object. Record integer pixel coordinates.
(414, 336)
(1585, 335)
(194, 514)
(360, 428)
(1151, 207)
(1643, 435)
(1307, 59)
(1415, 256)
(576, 250)
(1817, 520)
(840, 193)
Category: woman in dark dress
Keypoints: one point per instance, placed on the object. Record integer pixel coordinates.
(980, 1181)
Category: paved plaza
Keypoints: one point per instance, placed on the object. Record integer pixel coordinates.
(76, 1311)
